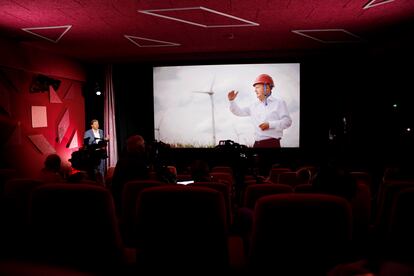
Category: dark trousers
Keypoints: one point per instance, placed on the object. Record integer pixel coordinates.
(267, 143)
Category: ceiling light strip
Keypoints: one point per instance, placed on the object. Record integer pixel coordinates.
(30, 31)
(165, 43)
(303, 33)
(154, 13)
(371, 5)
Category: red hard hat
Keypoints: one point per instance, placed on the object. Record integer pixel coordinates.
(265, 79)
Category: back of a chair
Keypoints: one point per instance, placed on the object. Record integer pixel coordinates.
(17, 194)
(295, 233)
(361, 211)
(76, 225)
(223, 177)
(386, 195)
(5, 175)
(363, 177)
(401, 226)
(304, 189)
(274, 174)
(130, 194)
(256, 191)
(181, 228)
(222, 188)
(222, 169)
(15, 213)
(184, 177)
(289, 178)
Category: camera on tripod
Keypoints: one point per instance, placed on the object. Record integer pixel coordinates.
(89, 156)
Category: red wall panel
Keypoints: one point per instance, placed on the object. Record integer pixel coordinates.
(18, 66)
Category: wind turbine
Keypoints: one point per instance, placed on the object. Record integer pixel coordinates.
(211, 94)
(237, 134)
(158, 129)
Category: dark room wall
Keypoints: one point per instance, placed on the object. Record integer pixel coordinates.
(60, 125)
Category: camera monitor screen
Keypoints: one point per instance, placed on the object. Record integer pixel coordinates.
(192, 107)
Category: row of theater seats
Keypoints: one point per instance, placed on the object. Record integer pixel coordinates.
(55, 226)
(179, 227)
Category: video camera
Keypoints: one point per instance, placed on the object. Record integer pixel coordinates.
(89, 156)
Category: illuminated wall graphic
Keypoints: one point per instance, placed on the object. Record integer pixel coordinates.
(39, 116)
(44, 122)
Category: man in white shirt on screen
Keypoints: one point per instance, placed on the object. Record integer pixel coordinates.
(269, 115)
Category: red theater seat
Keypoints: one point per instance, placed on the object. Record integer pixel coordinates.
(299, 234)
(182, 229)
(75, 225)
(130, 194)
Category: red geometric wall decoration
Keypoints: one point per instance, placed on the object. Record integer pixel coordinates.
(63, 125)
(53, 97)
(71, 92)
(74, 141)
(41, 144)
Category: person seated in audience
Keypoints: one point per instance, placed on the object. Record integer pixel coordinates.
(133, 165)
(200, 171)
(51, 172)
(334, 180)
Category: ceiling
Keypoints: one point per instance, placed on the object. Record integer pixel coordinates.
(122, 30)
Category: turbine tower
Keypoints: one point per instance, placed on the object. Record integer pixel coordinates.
(211, 94)
(158, 129)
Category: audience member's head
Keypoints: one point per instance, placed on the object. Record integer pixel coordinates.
(200, 171)
(334, 180)
(52, 163)
(135, 144)
(51, 172)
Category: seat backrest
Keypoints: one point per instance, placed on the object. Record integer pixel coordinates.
(256, 191)
(304, 188)
(14, 214)
(222, 188)
(363, 177)
(301, 232)
(76, 225)
(17, 193)
(223, 169)
(361, 211)
(182, 228)
(401, 223)
(274, 174)
(386, 194)
(130, 194)
(289, 178)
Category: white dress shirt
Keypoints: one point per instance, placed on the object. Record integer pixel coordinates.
(275, 113)
(97, 135)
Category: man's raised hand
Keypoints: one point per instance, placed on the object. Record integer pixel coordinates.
(232, 95)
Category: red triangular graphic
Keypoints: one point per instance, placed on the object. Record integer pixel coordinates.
(53, 97)
(146, 42)
(74, 143)
(53, 34)
(70, 94)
